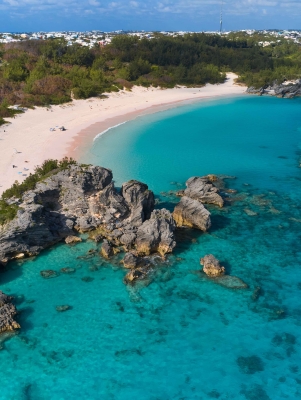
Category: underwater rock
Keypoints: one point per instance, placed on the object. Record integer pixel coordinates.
(48, 273)
(250, 365)
(256, 293)
(231, 282)
(250, 213)
(72, 239)
(7, 314)
(62, 308)
(106, 250)
(67, 270)
(211, 266)
(87, 279)
(204, 190)
(191, 213)
(156, 234)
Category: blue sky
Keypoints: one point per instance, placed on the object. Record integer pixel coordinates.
(195, 15)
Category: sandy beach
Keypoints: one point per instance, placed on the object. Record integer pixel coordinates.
(29, 139)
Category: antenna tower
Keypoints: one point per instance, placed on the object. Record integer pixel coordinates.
(221, 19)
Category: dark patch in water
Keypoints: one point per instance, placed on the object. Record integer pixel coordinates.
(250, 365)
(283, 157)
(87, 279)
(257, 392)
(214, 394)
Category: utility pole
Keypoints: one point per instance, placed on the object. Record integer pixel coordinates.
(221, 19)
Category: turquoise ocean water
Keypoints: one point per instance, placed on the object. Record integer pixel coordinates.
(182, 336)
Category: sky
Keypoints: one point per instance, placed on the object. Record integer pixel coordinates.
(193, 15)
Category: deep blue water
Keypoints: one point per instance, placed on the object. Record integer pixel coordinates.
(182, 336)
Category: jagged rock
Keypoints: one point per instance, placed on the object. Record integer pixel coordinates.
(48, 273)
(203, 190)
(62, 308)
(50, 212)
(133, 275)
(131, 261)
(106, 250)
(72, 239)
(156, 234)
(7, 314)
(191, 213)
(253, 90)
(140, 200)
(211, 266)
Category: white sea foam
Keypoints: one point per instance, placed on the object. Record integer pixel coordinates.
(112, 127)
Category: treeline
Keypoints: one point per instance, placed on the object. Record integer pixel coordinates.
(50, 72)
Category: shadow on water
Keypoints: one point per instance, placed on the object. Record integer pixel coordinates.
(24, 319)
(219, 222)
(10, 272)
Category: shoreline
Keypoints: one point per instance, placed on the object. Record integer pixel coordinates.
(28, 140)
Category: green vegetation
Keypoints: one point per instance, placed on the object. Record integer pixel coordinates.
(48, 168)
(50, 72)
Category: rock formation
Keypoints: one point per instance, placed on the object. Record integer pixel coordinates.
(79, 198)
(7, 314)
(156, 234)
(203, 190)
(191, 213)
(211, 266)
(285, 89)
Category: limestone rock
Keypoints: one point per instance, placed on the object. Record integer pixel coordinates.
(106, 250)
(156, 234)
(211, 266)
(7, 314)
(140, 200)
(72, 239)
(191, 213)
(203, 190)
(136, 274)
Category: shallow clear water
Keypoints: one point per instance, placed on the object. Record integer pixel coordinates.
(182, 336)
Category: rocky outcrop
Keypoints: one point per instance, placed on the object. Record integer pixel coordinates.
(203, 190)
(213, 269)
(285, 89)
(156, 234)
(72, 239)
(80, 198)
(7, 313)
(211, 266)
(106, 250)
(191, 213)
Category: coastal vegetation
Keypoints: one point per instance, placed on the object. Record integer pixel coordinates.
(51, 72)
(49, 167)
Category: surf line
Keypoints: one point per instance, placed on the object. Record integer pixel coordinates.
(107, 130)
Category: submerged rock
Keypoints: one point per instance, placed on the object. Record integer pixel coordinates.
(62, 308)
(48, 273)
(7, 313)
(68, 270)
(231, 282)
(211, 266)
(191, 213)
